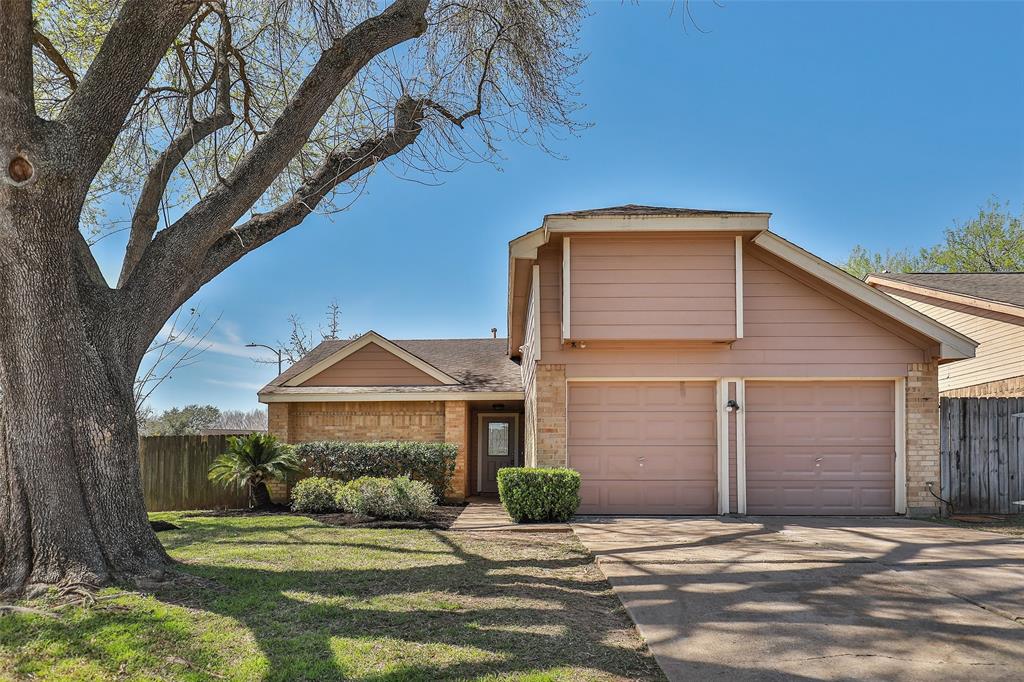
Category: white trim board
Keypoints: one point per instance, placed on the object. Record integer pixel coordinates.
(947, 296)
(739, 287)
(516, 454)
(900, 491)
(318, 397)
(370, 337)
(722, 420)
(566, 281)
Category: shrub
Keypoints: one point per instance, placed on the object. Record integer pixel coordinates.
(385, 498)
(539, 494)
(252, 461)
(430, 462)
(316, 495)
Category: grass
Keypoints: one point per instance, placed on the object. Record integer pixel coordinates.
(288, 598)
(1009, 525)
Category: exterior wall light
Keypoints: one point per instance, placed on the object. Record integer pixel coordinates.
(732, 406)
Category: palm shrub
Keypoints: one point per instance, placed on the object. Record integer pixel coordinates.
(252, 461)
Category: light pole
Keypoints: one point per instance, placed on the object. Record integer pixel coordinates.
(270, 348)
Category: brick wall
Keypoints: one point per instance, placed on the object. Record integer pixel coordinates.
(456, 430)
(1004, 388)
(922, 438)
(550, 447)
(369, 421)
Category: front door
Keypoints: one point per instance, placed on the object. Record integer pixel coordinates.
(497, 449)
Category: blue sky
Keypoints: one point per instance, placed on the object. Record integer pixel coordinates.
(872, 123)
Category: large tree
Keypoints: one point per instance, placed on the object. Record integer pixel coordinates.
(226, 122)
(991, 241)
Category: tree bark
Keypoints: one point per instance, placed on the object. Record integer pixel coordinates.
(71, 503)
(259, 495)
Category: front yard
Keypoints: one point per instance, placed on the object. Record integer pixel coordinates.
(288, 598)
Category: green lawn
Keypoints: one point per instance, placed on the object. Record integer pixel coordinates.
(287, 598)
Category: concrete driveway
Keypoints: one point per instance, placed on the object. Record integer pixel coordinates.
(817, 598)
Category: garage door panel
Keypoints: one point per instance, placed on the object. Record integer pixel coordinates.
(632, 428)
(644, 447)
(646, 463)
(676, 497)
(820, 429)
(820, 447)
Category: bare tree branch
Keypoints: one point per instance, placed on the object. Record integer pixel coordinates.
(138, 39)
(56, 58)
(339, 167)
(146, 215)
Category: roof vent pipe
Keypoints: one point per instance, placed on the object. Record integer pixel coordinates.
(494, 332)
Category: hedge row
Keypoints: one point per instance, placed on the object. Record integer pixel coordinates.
(433, 463)
(381, 498)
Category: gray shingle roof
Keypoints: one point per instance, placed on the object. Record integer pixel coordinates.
(638, 210)
(478, 364)
(1002, 287)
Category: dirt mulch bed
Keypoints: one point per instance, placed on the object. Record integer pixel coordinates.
(441, 517)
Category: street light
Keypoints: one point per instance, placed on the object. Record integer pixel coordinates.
(270, 348)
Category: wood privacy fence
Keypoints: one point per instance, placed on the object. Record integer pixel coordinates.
(174, 470)
(982, 454)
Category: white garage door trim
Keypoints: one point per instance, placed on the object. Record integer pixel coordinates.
(900, 436)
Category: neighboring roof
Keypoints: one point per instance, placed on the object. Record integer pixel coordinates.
(478, 365)
(996, 287)
(952, 344)
(638, 210)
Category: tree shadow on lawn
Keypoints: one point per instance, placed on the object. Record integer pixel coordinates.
(457, 606)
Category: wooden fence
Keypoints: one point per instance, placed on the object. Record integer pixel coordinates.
(982, 454)
(174, 470)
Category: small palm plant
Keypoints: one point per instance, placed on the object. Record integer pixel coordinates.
(252, 461)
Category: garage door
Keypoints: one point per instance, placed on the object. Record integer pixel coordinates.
(820, 447)
(644, 447)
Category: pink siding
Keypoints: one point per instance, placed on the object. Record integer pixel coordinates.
(372, 366)
(790, 330)
(670, 287)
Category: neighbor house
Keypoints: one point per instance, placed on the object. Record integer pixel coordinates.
(684, 361)
(988, 307)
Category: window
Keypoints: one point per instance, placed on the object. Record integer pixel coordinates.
(498, 439)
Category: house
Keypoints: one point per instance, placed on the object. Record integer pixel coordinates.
(684, 361)
(989, 308)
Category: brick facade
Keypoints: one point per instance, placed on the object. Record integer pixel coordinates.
(424, 421)
(1004, 388)
(550, 421)
(922, 396)
(456, 430)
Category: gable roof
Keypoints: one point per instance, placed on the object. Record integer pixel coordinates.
(952, 344)
(639, 210)
(351, 346)
(472, 366)
(971, 288)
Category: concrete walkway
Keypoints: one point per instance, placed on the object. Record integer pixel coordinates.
(484, 514)
(812, 599)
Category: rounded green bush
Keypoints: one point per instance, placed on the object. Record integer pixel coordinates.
(386, 498)
(315, 495)
(539, 494)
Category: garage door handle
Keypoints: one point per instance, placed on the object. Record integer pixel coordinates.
(819, 459)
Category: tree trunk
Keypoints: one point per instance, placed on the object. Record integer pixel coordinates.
(71, 503)
(259, 495)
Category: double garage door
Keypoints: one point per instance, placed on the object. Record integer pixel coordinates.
(812, 447)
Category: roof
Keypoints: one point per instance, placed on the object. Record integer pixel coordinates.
(639, 210)
(479, 365)
(1000, 287)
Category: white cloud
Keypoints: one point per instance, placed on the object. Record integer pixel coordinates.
(235, 384)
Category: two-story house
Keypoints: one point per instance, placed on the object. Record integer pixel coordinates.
(684, 361)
